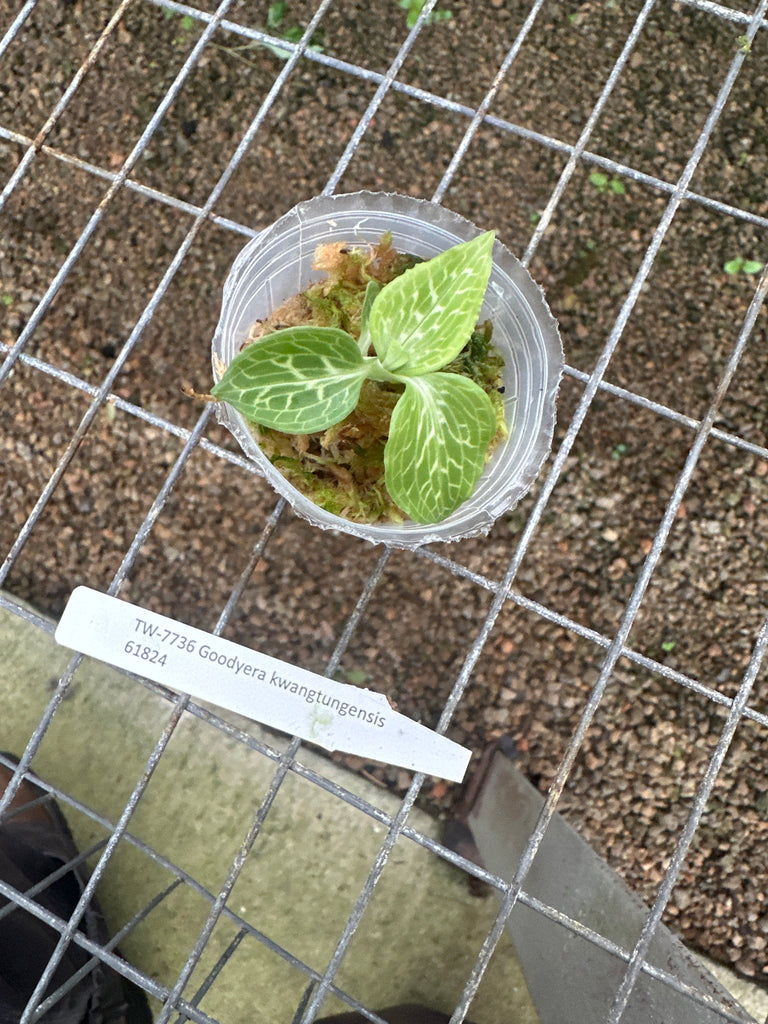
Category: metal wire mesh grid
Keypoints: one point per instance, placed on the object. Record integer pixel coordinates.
(702, 430)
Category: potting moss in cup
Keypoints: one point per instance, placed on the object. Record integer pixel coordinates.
(392, 370)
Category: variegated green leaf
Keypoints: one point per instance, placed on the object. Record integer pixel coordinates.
(299, 379)
(372, 290)
(438, 439)
(422, 320)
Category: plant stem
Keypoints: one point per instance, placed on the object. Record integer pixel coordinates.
(376, 371)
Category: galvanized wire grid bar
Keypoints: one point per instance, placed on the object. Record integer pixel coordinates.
(174, 999)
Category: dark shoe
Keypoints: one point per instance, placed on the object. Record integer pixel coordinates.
(35, 841)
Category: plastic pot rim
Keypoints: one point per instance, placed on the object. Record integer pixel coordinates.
(277, 264)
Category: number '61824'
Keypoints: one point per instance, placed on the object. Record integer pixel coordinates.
(144, 653)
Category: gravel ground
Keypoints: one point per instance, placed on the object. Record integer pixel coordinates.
(632, 785)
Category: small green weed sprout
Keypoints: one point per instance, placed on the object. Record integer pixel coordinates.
(276, 14)
(414, 9)
(740, 265)
(309, 378)
(276, 22)
(603, 183)
(186, 23)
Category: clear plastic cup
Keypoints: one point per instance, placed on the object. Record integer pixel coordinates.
(278, 264)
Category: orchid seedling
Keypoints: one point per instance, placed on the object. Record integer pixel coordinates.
(308, 378)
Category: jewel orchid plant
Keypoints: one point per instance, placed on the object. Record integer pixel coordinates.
(308, 378)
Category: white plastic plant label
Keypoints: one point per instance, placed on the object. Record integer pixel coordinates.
(333, 715)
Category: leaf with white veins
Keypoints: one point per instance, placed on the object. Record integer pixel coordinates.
(372, 290)
(421, 321)
(438, 440)
(299, 379)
